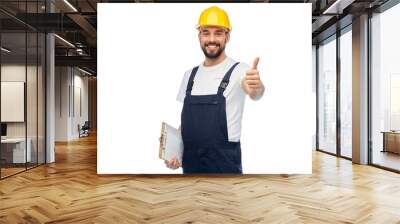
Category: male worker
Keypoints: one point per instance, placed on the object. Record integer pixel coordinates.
(213, 96)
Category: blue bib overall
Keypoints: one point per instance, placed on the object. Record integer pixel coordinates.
(205, 132)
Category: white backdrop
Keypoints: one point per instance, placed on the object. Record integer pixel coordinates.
(143, 52)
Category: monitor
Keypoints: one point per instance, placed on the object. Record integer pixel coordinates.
(3, 129)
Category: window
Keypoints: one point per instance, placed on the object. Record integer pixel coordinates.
(385, 88)
(327, 96)
(346, 93)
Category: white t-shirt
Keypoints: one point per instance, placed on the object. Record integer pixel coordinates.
(207, 81)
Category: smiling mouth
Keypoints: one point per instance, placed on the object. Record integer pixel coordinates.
(212, 46)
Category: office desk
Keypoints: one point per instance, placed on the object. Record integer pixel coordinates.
(391, 141)
(13, 150)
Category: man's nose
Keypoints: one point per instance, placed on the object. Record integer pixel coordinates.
(212, 38)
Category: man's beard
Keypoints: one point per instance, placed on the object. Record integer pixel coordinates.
(214, 55)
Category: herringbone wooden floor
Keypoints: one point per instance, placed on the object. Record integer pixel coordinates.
(70, 191)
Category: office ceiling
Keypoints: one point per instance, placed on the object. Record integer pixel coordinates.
(76, 21)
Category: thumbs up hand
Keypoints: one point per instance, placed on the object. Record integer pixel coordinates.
(252, 83)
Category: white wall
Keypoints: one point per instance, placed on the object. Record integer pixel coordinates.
(12, 73)
(61, 103)
(16, 72)
(68, 83)
(80, 83)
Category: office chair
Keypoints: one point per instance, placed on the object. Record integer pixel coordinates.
(84, 130)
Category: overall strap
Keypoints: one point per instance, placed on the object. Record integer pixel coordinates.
(190, 82)
(225, 80)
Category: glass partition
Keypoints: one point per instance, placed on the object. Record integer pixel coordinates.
(14, 153)
(32, 95)
(41, 111)
(22, 67)
(346, 93)
(327, 95)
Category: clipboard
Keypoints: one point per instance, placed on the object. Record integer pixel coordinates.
(171, 143)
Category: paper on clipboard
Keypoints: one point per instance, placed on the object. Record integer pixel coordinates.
(170, 143)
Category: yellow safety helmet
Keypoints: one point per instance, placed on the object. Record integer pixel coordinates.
(214, 16)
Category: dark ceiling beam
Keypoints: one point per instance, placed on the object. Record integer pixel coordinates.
(63, 51)
(90, 70)
(338, 6)
(329, 14)
(63, 7)
(49, 22)
(84, 24)
(334, 15)
(52, 22)
(321, 22)
(331, 30)
(341, 21)
(380, 7)
(78, 19)
(91, 5)
(16, 18)
(84, 61)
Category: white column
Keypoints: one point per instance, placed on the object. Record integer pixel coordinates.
(360, 90)
(50, 93)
